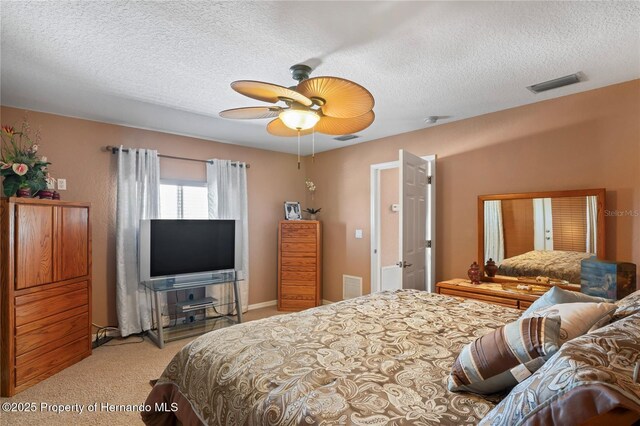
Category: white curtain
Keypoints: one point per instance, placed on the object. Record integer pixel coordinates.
(138, 198)
(592, 224)
(493, 231)
(227, 193)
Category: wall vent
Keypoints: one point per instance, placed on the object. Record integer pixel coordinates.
(344, 138)
(555, 83)
(351, 287)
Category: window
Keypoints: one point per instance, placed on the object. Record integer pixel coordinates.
(183, 200)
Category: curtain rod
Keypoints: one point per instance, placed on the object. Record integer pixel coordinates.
(114, 150)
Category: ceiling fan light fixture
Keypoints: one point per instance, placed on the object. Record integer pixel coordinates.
(299, 119)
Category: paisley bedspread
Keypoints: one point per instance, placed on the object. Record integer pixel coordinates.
(381, 359)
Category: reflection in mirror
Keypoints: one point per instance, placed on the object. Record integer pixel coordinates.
(548, 237)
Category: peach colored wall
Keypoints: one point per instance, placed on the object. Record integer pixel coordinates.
(587, 140)
(389, 220)
(74, 148)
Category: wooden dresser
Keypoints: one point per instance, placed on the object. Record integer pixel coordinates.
(299, 264)
(46, 289)
(486, 292)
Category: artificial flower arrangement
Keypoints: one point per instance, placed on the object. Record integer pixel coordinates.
(20, 165)
(311, 187)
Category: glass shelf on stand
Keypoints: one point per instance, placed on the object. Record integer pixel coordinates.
(208, 309)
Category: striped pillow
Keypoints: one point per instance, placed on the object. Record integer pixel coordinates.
(506, 356)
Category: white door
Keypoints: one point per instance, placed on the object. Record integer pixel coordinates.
(414, 179)
(542, 224)
(394, 275)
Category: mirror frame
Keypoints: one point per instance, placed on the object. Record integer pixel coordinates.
(599, 193)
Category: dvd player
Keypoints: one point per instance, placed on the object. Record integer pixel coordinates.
(190, 305)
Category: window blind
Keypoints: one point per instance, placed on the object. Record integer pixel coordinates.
(183, 201)
(569, 223)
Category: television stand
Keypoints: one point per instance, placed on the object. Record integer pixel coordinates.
(160, 334)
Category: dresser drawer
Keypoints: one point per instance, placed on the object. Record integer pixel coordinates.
(297, 292)
(296, 226)
(297, 305)
(524, 304)
(298, 248)
(30, 367)
(298, 276)
(51, 301)
(49, 333)
(299, 268)
(307, 283)
(298, 261)
(298, 240)
(511, 303)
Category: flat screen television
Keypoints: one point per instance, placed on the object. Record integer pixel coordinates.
(184, 248)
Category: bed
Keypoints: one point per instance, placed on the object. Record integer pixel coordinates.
(562, 265)
(384, 359)
(374, 360)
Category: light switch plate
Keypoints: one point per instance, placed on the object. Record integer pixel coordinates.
(62, 184)
(358, 233)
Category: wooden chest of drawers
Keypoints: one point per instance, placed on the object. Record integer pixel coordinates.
(46, 289)
(486, 292)
(299, 264)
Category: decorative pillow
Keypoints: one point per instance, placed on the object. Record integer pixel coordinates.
(590, 380)
(557, 295)
(627, 306)
(577, 318)
(506, 356)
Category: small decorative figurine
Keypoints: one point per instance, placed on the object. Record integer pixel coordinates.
(491, 268)
(474, 273)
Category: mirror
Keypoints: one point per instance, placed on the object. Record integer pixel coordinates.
(541, 236)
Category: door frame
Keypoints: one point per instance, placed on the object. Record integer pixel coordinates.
(430, 196)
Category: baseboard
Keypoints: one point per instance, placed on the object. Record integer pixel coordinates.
(327, 302)
(263, 305)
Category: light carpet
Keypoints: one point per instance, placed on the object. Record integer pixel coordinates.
(111, 376)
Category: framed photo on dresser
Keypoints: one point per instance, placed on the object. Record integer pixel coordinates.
(292, 210)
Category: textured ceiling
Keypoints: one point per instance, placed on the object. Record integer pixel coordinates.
(167, 65)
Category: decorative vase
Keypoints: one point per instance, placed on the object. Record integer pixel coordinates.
(312, 217)
(45, 194)
(24, 193)
(491, 268)
(474, 273)
(55, 196)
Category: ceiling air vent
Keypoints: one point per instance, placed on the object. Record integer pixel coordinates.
(555, 83)
(344, 138)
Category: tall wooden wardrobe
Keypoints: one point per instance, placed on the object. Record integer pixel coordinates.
(299, 264)
(45, 271)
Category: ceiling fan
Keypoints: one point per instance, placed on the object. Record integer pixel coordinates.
(330, 105)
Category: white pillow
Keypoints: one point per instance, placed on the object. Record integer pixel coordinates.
(578, 318)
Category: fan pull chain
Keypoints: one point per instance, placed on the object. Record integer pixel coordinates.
(298, 149)
(313, 145)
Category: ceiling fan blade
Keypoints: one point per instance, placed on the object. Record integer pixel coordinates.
(344, 126)
(268, 92)
(277, 128)
(251, 112)
(343, 98)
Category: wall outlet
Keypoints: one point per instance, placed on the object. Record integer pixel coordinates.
(62, 184)
(358, 233)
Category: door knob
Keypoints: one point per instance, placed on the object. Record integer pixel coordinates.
(403, 264)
